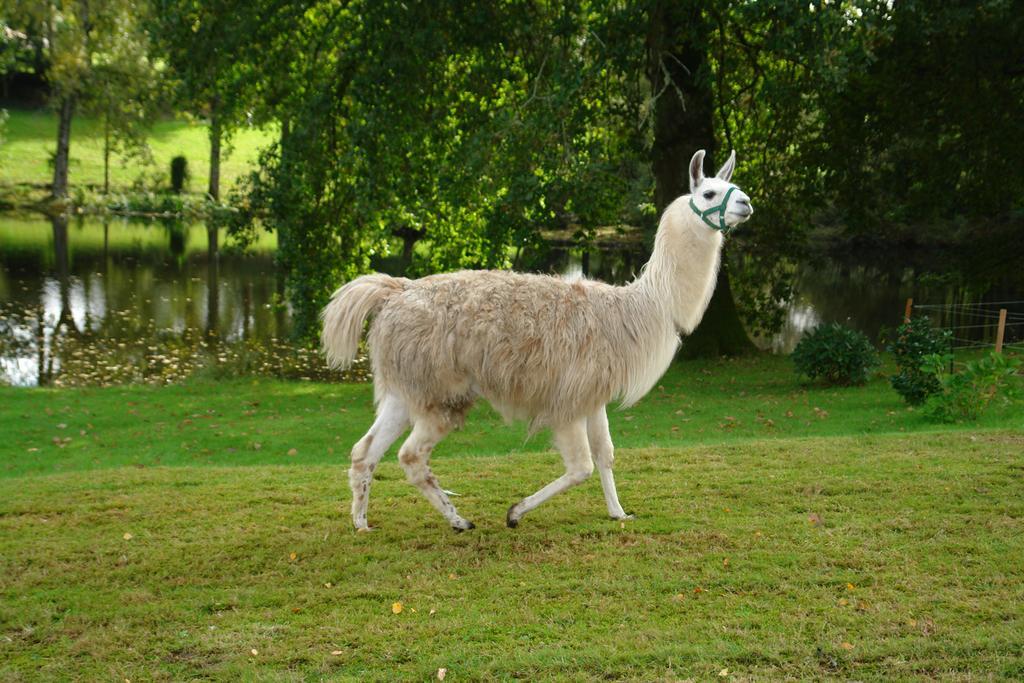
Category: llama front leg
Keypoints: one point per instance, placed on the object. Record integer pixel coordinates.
(571, 441)
(600, 440)
(414, 455)
(392, 420)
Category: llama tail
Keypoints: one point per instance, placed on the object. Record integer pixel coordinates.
(348, 309)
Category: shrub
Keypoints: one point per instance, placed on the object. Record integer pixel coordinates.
(911, 343)
(965, 395)
(179, 174)
(835, 354)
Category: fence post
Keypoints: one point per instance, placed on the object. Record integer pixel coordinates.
(906, 312)
(1001, 330)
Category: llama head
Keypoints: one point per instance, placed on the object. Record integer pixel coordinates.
(720, 204)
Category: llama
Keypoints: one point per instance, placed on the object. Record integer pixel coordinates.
(538, 348)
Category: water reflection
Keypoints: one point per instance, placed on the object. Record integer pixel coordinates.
(90, 302)
(104, 301)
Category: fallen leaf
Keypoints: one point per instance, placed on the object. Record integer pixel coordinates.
(293, 556)
(815, 519)
(847, 646)
(725, 562)
(293, 451)
(850, 586)
(432, 611)
(336, 652)
(396, 607)
(127, 536)
(843, 602)
(452, 576)
(254, 652)
(327, 585)
(723, 673)
(441, 673)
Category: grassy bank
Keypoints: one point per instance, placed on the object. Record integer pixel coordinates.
(259, 421)
(784, 531)
(31, 139)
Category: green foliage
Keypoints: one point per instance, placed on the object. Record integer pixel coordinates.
(931, 149)
(504, 125)
(179, 173)
(967, 394)
(912, 342)
(836, 354)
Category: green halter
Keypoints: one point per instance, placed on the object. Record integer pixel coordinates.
(717, 208)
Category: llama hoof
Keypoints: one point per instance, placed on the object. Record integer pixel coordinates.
(462, 525)
(625, 517)
(511, 521)
(364, 529)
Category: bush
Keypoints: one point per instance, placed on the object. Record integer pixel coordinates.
(967, 394)
(835, 354)
(179, 174)
(911, 343)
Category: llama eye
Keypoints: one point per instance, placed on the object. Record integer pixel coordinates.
(709, 194)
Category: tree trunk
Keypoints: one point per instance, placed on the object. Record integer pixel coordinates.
(215, 135)
(106, 151)
(680, 77)
(60, 161)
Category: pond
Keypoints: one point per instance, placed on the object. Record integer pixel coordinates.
(90, 301)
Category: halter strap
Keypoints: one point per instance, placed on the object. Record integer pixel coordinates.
(717, 208)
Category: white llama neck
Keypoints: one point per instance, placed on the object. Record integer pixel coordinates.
(683, 269)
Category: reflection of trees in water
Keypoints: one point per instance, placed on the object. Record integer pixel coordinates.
(212, 286)
(613, 263)
(110, 309)
(95, 307)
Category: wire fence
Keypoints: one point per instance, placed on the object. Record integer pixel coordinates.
(977, 325)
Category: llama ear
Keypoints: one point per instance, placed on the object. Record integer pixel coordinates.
(696, 170)
(725, 173)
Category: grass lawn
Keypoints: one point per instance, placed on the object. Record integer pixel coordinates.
(30, 140)
(783, 532)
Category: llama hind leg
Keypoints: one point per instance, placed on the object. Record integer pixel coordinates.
(414, 455)
(600, 440)
(392, 421)
(571, 441)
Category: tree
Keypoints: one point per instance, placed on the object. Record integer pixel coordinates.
(681, 76)
(496, 122)
(218, 54)
(925, 122)
(488, 126)
(84, 43)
